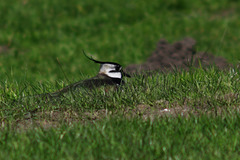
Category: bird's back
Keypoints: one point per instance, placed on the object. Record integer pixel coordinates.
(92, 83)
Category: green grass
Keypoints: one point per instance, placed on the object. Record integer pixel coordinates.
(204, 135)
(168, 138)
(38, 32)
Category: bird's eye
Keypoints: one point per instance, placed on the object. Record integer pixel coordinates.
(119, 68)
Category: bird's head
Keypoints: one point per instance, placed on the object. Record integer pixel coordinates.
(110, 69)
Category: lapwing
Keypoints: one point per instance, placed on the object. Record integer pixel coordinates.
(110, 74)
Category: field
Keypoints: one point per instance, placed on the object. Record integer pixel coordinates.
(182, 114)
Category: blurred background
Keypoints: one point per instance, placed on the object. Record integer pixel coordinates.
(34, 33)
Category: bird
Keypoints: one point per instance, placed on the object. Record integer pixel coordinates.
(110, 74)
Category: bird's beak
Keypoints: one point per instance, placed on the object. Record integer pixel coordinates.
(125, 74)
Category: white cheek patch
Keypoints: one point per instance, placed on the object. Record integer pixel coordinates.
(115, 74)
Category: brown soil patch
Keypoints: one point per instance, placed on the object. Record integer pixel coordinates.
(181, 55)
(49, 119)
(166, 109)
(161, 108)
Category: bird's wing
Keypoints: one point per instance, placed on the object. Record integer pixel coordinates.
(91, 83)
